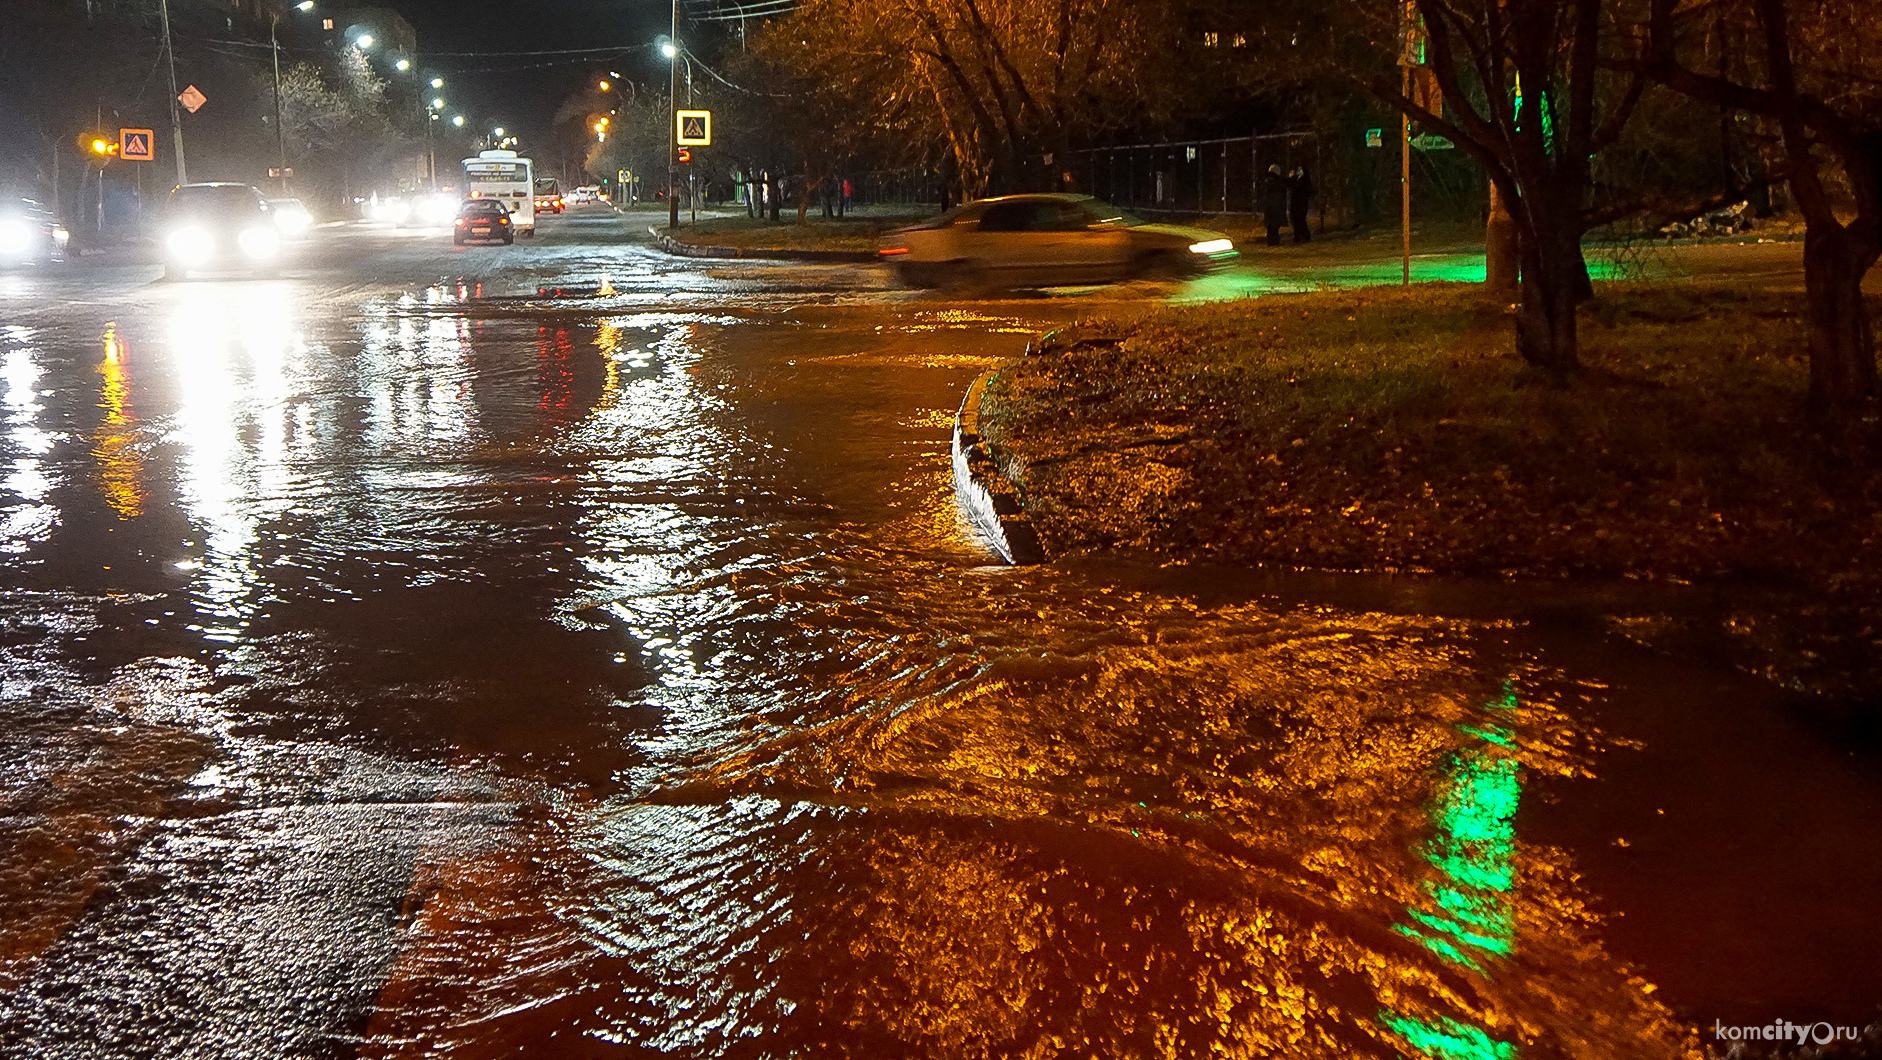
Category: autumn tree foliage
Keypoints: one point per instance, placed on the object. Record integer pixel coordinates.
(1003, 84)
(1814, 67)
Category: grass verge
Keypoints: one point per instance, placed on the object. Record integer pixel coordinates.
(1382, 429)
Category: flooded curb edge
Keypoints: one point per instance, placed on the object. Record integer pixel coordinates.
(990, 501)
(691, 250)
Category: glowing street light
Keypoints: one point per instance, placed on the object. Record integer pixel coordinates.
(458, 120)
(363, 41)
(437, 82)
(403, 65)
(602, 85)
(497, 132)
(437, 104)
(669, 49)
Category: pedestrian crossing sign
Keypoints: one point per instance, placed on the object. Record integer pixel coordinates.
(136, 145)
(695, 128)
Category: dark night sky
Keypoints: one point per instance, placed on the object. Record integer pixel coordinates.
(525, 93)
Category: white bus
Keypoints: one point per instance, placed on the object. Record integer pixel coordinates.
(509, 179)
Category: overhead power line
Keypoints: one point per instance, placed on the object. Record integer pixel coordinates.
(762, 9)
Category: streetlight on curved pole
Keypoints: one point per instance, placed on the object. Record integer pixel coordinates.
(280, 134)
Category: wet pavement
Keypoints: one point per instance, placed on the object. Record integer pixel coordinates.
(397, 663)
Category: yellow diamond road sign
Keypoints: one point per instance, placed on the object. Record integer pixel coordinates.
(192, 98)
(695, 128)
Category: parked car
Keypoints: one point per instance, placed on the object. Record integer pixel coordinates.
(483, 221)
(219, 228)
(1048, 240)
(29, 233)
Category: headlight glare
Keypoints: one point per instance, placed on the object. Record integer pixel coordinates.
(260, 244)
(1212, 246)
(16, 238)
(190, 245)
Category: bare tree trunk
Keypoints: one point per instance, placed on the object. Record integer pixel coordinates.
(1842, 351)
(1502, 263)
(1553, 273)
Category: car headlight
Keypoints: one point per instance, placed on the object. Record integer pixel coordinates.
(259, 243)
(1212, 246)
(440, 209)
(16, 238)
(190, 245)
(293, 224)
(61, 236)
(398, 211)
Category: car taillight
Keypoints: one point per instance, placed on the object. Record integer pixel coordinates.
(503, 220)
(887, 251)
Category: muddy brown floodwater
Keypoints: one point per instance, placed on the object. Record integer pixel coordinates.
(389, 672)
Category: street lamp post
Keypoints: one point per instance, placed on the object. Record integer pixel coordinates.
(433, 113)
(280, 134)
(673, 145)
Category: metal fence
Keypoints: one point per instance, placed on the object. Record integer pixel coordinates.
(1192, 176)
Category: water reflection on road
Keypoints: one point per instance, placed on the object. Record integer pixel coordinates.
(606, 679)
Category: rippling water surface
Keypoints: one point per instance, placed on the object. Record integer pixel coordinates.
(418, 675)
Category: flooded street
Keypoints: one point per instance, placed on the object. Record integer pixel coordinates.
(398, 663)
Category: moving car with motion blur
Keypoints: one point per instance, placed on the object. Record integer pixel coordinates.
(219, 228)
(1048, 240)
(483, 221)
(30, 234)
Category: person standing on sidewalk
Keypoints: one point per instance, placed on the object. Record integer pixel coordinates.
(1299, 194)
(1274, 189)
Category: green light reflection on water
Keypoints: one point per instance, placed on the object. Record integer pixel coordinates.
(1473, 848)
(1448, 1039)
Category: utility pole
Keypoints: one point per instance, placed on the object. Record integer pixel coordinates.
(280, 134)
(176, 115)
(673, 132)
(1408, 57)
(1404, 182)
(692, 177)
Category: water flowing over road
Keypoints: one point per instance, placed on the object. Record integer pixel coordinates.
(397, 662)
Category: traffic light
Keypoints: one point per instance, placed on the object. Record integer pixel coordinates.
(98, 148)
(686, 156)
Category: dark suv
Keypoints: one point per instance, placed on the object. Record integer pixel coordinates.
(483, 220)
(219, 227)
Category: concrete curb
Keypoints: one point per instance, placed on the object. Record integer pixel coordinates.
(991, 502)
(689, 250)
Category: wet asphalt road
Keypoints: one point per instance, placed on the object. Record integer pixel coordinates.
(397, 663)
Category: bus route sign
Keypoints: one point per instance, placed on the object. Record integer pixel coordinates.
(695, 128)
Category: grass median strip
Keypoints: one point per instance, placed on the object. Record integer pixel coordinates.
(1387, 429)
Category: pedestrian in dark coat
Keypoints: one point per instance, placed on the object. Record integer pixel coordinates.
(1274, 189)
(1299, 194)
